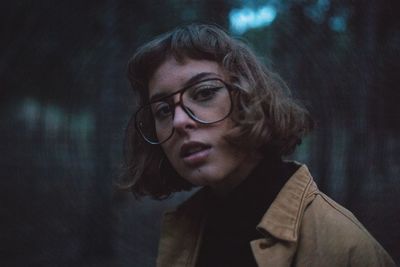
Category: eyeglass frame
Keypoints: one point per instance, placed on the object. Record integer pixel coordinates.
(180, 103)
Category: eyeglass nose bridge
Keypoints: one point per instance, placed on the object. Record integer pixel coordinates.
(185, 109)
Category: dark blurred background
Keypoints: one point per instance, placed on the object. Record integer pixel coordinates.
(65, 101)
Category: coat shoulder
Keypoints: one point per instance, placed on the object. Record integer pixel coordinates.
(333, 233)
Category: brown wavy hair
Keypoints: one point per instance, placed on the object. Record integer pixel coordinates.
(266, 117)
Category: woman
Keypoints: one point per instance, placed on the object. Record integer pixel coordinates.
(212, 115)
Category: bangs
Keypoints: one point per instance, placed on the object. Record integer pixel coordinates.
(187, 42)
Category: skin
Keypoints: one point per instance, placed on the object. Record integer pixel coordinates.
(220, 166)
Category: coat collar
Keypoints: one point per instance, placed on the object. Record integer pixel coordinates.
(281, 223)
(282, 219)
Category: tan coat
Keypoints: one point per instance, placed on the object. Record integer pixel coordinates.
(302, 227)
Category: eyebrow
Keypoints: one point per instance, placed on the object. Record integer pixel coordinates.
(196, 78)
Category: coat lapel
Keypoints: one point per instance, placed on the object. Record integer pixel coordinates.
(181, 234)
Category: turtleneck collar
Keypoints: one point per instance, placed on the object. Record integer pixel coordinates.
(245, 205)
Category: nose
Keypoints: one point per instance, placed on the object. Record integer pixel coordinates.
(182, 122)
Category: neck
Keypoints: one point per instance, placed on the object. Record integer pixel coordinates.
(238, 175)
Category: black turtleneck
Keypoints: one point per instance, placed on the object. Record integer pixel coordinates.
(232, 219)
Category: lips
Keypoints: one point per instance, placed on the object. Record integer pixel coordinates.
(191, 148)
(194, 153)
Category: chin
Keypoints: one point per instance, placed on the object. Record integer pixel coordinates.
(202, 176)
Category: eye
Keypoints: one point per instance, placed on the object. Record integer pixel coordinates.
(162, 110)
(205, 93)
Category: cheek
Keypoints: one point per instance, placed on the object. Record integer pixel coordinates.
(220, 133)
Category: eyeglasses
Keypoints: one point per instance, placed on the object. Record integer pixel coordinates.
(206, 102)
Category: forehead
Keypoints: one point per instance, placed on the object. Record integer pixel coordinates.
(173, 75)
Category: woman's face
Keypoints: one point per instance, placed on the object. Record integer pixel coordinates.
(199, 152)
